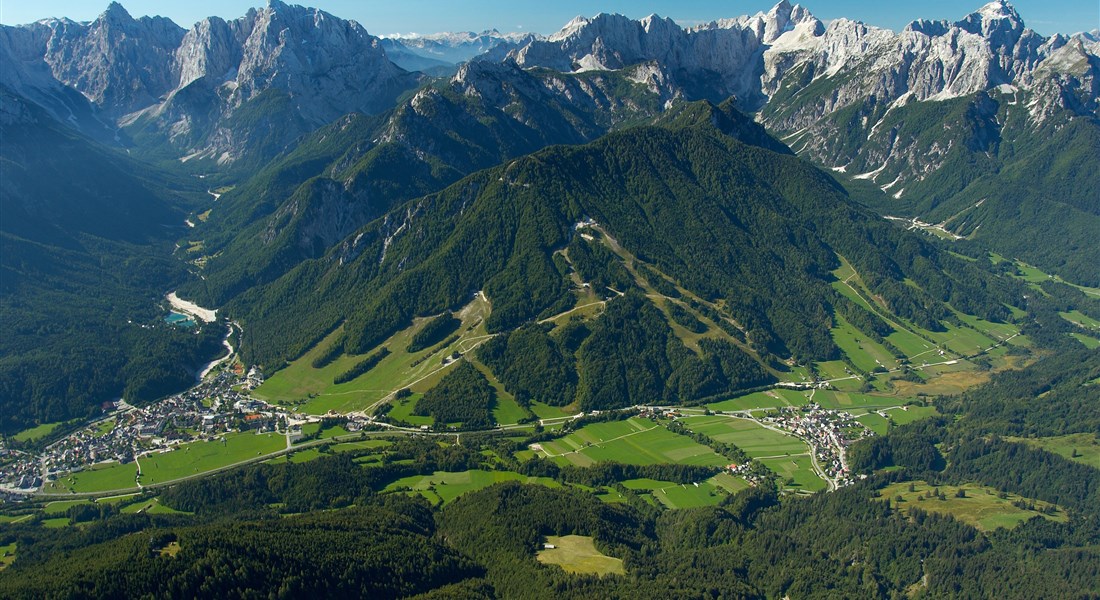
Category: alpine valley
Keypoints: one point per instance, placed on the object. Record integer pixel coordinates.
(765, 307)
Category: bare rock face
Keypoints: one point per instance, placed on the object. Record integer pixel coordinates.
(717, 59)
(186, 87)
(120, 64)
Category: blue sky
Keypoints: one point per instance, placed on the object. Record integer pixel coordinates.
(428, 16)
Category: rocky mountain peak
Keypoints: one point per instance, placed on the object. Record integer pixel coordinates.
(570, 28)
(997, 21)
(116, 13)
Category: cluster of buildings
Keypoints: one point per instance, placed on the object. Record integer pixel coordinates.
(828, 434)
(19, 469)
(218, 405)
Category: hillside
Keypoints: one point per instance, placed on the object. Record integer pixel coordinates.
(687, 196)
(87, 239)
(358, 168)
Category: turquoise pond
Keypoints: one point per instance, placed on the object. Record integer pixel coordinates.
(182, 320)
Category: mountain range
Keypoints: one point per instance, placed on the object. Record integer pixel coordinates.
(316, 141)
(225, 97)
(764, 307)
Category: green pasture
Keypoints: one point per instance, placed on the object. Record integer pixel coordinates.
(799, 470)
(865, 353)
(1089, 342)
(314, 390)
(875, 422)
(907, 414)
(748, 435)
(1086, 446)
(200, 457)
(151, 507)
(776, 398)
(578, 554)
(103, 477)
(1081, 319)
(983, 507)
(444, 487)
(36, 433)
(633, 441)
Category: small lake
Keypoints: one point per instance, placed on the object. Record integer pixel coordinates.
(179, 319)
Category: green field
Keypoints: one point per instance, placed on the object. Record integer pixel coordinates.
(314, 390)
(402, 411)
(360, 445)
(200, 457)
(634, 441)
(910, 344)
(875, 422)
(865, 354)
(907, 414)
(545, 411)
(833, 369)
(302, 456)
(834, 400)
(1081, 320)
(316, 452)
(151, 507)
(578, 554)
(690, 495)
(905, 340)
(507, 411)
(776, 398)
(751, 437)
(100, 478)
(996, 331)
(1089, 342)
(444, 487)
(328, 433)
(684, 495)
(36, 433)
(56, 509)
(982, 507)
(120, 499)
(963, 341)
(797, 472)
(56, 523)
(104, 427)
(1035, 275)
(7, 555)
(1086, 445)
(729, 482)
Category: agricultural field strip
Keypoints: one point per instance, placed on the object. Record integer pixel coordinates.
(897, 326)
(818, 470)
(250, 460)
(599, 443)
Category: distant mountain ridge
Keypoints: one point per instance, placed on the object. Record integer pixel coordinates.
(221, 91)
(957, 123)
(416, 52)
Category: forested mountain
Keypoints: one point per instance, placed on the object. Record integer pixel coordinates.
(981, 125)
(627, 288)
(87, 240)
(704, 195)
(358, 168)
(224, 97)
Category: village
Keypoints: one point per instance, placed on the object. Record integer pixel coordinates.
(222, 404)
(218, 405)
(828, 433)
